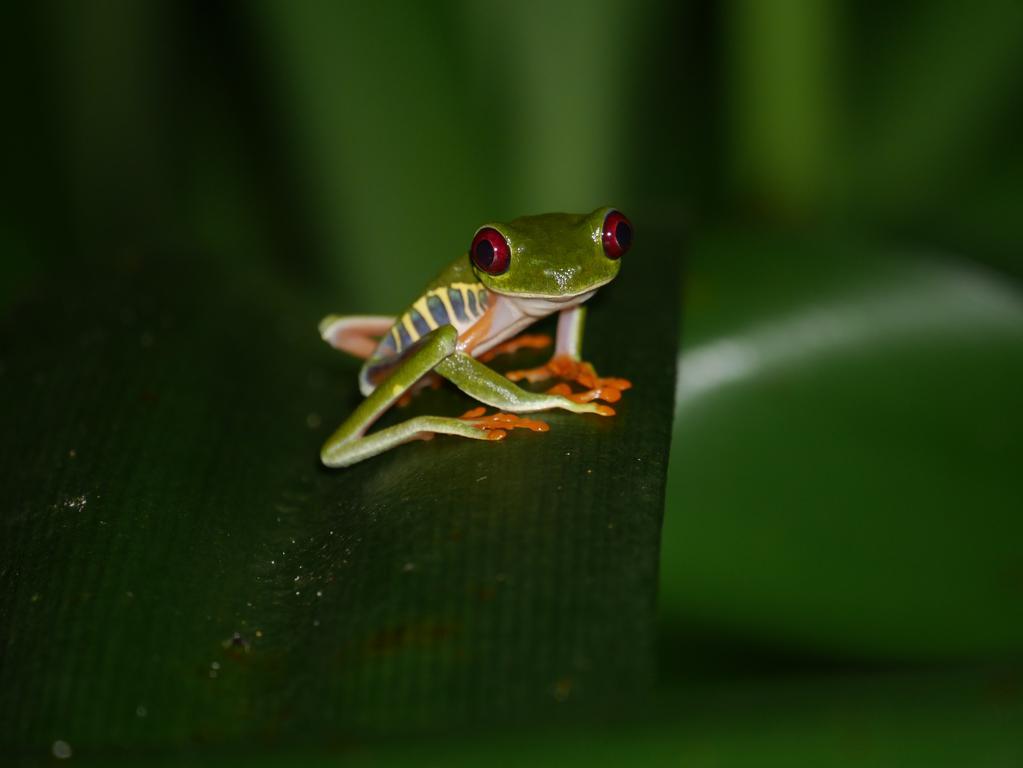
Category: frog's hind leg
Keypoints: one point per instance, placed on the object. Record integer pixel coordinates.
(486, 385)
(350, 443)
(358, 335)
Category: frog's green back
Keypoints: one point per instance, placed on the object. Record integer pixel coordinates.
(458, 271)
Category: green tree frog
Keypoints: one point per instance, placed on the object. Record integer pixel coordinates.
(514, 274)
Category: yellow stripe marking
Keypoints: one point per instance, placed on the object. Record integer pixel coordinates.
(406, 320)
(427, 315)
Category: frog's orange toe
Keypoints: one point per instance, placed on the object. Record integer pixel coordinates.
(578, 372)
(502, 422)
(620, 384)
(586, 377)
(525, 341)
(606, 393)
(511, 421)
(605, 410)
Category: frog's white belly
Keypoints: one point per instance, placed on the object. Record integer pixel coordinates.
(513, 314)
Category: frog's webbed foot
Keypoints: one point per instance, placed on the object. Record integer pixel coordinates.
(568, 369)
(523, 341)
(606, 394)
(496, 425)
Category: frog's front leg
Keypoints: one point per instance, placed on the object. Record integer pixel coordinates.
(567, 364)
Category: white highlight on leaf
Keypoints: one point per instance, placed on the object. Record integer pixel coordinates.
(943, 299)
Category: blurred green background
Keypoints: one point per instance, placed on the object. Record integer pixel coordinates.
(841, 569)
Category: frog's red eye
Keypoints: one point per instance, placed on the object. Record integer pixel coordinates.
(617, 235)
(490, 251)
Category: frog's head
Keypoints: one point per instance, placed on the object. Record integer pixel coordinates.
(553, 256)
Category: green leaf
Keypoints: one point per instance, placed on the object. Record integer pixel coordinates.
(848, 432)
(178, 570)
